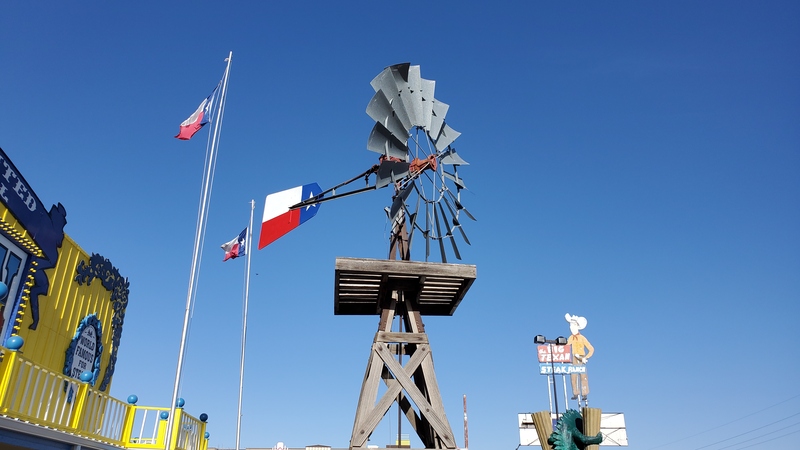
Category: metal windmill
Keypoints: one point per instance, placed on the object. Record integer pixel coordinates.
(418, 160)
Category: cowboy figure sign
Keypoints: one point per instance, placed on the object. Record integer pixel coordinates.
(582, 350)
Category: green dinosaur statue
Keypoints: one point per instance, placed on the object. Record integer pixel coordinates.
(568, 433)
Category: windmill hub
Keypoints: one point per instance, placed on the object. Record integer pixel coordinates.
(418, 165)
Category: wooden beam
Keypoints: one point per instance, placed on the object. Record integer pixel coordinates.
(406, 267)
(408, 338)
(426, 409)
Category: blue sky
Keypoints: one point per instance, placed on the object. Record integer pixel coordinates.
(635, 163)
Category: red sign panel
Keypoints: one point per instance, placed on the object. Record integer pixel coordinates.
(559, 353)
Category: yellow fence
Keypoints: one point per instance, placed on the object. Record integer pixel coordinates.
(42, 397)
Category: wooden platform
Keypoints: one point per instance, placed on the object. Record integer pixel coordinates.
(363, 285)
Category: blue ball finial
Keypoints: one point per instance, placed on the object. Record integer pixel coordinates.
(180, 402)
(132, 399)
(164, 415)
(204, 417)
(207, 435)
(14, 343)
(86, 376)
(3, 291)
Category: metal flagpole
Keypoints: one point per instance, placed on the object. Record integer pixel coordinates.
(466, 429)
(244, 320)
(198, 243)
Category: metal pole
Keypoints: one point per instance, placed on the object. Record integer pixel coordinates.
(553, 374)
(244, 320)
(466, 429)
(198, 243)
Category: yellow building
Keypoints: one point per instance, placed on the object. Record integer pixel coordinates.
(62, 312)
(67, 306)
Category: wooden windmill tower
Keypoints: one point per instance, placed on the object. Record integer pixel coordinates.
(417, 158)
(409, 290)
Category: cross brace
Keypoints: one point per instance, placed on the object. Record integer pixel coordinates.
(415, 380)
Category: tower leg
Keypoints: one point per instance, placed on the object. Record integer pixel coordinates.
(415, 380)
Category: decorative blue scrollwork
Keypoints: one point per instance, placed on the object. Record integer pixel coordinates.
(101, 268)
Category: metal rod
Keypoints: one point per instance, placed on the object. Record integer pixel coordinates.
(244, 320)
(316, 200)
(466, 428)
(198, 243)
(553, 374)
(366, 173)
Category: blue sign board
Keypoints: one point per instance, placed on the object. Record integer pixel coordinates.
(560, 369)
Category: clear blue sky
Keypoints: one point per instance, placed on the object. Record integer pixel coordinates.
(636, 163)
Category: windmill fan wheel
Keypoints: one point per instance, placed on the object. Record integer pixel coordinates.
(418, 159)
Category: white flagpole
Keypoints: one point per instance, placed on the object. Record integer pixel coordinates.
(244, 320)
(199, 238)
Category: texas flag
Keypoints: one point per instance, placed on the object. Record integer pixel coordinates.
(199, 118)
(235, 247)
(278, 219)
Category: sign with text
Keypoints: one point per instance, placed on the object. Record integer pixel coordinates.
(85, 352)
(560, 369)
(559, 353)
(46, 228)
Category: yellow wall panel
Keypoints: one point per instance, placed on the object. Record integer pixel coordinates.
(64, 307)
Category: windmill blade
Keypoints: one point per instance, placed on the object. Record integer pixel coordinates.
(459, 206)
(387, 75)
(454, 177)
(427, 232)
(452, 158)
(439, 234)
(412, 219)
(380, 110)
(382, 141)
(399, 200)
(450, 234)
(437, 119)
(427, 244)
(446, 137)
(412, 96)
(463, 234)
(390, 172)
(393, 80)
(427, 88)
(456, 223)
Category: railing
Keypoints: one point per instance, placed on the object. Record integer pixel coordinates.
(191, 432)
(50, 399)
(103, 416)
(145, 427)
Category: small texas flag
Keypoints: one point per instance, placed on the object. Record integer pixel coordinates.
(236, 247)
(199, 118)
(278, 219)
